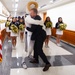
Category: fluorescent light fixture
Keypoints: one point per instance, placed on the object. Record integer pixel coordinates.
(16, 0)
(51, 1)
(15, 9)
(16, 5)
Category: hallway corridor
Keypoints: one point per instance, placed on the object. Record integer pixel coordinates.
(25, 24)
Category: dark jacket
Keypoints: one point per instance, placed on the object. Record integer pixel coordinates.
(21, 23)
(36, 29)
(15, 23)
(57, 25)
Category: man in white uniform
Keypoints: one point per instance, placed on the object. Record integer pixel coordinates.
(30, 43)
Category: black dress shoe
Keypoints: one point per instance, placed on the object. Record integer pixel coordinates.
(46, 67)
(34, 61)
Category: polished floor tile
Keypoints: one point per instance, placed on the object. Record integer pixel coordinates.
(6, 59)
(54, 60)
(20, 49)
(65, 45)
(64, 70)
(61, 59)
(52, 51)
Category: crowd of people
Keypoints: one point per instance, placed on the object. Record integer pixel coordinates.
(14, 26)
(37, 33)
(59, 32)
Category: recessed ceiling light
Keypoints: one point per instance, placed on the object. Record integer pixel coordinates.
(15, 9)
(16, 5)
(16, 0)
(51, 1)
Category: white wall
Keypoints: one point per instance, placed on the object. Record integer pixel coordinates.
(41, 15)
(0, 8)
(2, 26)
(67, 12)
(3, 18)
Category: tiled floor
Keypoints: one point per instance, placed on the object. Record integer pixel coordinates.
(62, 60)
(52, 51)
(63, 70)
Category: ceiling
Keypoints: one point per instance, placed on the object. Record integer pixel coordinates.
(21, 4)
(43, 4)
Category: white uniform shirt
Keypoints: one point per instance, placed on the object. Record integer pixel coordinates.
(29, 21)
